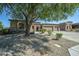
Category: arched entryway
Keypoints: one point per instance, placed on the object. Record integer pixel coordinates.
(21, 26)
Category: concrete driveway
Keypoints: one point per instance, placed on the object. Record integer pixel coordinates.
(74, 36)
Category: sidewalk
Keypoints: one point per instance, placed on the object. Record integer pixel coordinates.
(74, 51)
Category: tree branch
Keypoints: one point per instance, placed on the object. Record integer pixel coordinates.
(35, 19)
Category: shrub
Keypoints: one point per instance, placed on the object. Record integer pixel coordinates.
(49, 32)
(58, 35)
(5, 31)
(1, 26)
(43, 30)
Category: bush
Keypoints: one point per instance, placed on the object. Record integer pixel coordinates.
(5, 31)
(58, 35)
(49, 32)
(1, 26)
(43, 30)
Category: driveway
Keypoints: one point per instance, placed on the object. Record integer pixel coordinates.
(74, 36)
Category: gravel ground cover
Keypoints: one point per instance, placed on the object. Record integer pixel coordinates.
(35, 45)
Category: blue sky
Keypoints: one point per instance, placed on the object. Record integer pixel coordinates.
(5, 19)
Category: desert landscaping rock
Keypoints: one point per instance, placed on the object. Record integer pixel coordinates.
(35, 45)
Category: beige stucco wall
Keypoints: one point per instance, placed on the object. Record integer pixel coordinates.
(47, 27)
(55, 27)
(19, 23)
(31, 30)
(15, 24)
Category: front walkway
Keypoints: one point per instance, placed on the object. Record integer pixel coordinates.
(74, 51)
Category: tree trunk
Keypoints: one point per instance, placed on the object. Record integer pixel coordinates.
(27, 32)
(28, 26)
(28, 23)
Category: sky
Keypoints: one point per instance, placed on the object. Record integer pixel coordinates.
(6, 23)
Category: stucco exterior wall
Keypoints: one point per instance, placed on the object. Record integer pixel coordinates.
(36, 27)
(68, 27)
(13, 24)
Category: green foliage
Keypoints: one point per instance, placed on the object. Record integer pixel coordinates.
(1, 26)
(5, 31)
(48, 11)
(58, 35)
(43, 30)
(45, 11)
(49, 32)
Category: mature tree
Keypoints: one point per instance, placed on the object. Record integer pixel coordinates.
(30, 12)
(1, 26)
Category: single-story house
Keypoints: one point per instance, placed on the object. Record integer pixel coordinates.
(36, 26)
